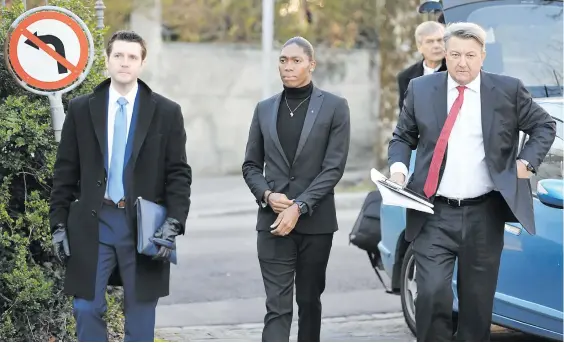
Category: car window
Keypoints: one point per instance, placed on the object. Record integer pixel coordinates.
(524, 40)
(551, 167)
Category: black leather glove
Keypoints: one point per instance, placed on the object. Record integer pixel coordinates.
(61, 243)
(165, 238)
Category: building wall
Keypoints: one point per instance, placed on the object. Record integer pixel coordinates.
(218, 86)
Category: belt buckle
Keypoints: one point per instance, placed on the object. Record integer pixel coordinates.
(454, 202)
(121, 204)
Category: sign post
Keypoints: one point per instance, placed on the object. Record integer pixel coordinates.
(49, 51)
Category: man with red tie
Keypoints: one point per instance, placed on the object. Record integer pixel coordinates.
(477, 183)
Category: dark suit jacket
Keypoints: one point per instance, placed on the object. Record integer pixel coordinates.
(156, 170)
(316, 169)
(507, 108)
(411, 72)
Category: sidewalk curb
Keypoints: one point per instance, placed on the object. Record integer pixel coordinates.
(343, 201)
(338, 328)
(327, 320)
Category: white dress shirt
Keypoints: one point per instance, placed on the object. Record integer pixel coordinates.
(428, 70)
(112, 110)
(466, 174)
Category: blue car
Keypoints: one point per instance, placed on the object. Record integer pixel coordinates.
(524, 41)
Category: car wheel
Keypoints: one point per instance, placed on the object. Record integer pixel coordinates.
(408, 292)
(408, 288)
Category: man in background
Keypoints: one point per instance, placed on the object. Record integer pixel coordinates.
(429, 39)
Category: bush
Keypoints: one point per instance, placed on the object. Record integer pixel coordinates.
(32, 305)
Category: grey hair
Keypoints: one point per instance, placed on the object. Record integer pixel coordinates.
(466, 31)
(427, 28)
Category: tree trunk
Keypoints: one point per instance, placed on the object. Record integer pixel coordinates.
(396, 22)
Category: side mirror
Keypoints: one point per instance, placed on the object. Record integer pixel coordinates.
(550, 192)
(430, 6)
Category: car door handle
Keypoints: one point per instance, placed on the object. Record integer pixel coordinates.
(512, 229)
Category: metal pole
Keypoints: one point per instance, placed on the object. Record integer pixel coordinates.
(57, 113)
(24, 2)
(99, 7)
(3, 3)
(267, 38)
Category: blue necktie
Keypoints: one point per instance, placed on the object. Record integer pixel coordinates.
(115, 182)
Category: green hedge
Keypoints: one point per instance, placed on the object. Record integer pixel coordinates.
(32, 305)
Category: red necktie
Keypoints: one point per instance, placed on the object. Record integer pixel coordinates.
(432, 181)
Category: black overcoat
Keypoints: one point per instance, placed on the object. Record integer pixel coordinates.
(157, 170)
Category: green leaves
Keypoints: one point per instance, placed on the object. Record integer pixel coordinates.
(333, 23)
(32, 305)
(25, 134)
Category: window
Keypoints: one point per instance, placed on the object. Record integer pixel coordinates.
(551, 167)
(524, 40)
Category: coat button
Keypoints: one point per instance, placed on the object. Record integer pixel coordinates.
(292, 178)
(99, 183)
(93, 213)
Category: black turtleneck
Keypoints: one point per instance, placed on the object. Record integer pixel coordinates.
(290, 127)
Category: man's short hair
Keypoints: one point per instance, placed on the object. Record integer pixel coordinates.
(427, 28)
(127, 36)
(466, 30)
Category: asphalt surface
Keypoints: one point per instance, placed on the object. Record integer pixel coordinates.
(218, 281)
(217, 292)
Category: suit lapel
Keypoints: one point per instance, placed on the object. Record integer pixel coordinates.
(311, 115)
(145, 114)
(487, 100)
(440, 102)
(273, 130)
(99, 115)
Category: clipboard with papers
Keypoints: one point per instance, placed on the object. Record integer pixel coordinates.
(397, 195)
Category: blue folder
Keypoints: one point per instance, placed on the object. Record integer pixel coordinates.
(150, 216)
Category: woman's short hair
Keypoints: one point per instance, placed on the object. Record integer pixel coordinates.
(302, 43)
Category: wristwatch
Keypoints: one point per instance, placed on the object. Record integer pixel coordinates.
(302, 207)
(528, 165)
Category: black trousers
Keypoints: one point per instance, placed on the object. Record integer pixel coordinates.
(282, 260)
(474, 234)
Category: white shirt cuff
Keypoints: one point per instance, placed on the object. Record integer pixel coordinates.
(399, 167)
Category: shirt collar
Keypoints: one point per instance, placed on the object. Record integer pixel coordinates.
(429, 69)
(130, 97)
(474, 85)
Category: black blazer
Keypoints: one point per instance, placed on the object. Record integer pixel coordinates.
(411, 72)
(507, 108)
(157, 170)
(316, 169)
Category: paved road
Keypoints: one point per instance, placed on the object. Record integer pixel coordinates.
(218, 281)
(217, 292)
(367, 328)
(363, 328)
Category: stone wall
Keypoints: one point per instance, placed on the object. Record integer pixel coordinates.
(218, 86)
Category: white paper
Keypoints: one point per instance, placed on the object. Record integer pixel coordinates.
(392, 198)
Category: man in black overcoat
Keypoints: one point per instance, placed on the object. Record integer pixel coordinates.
(121, 142)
